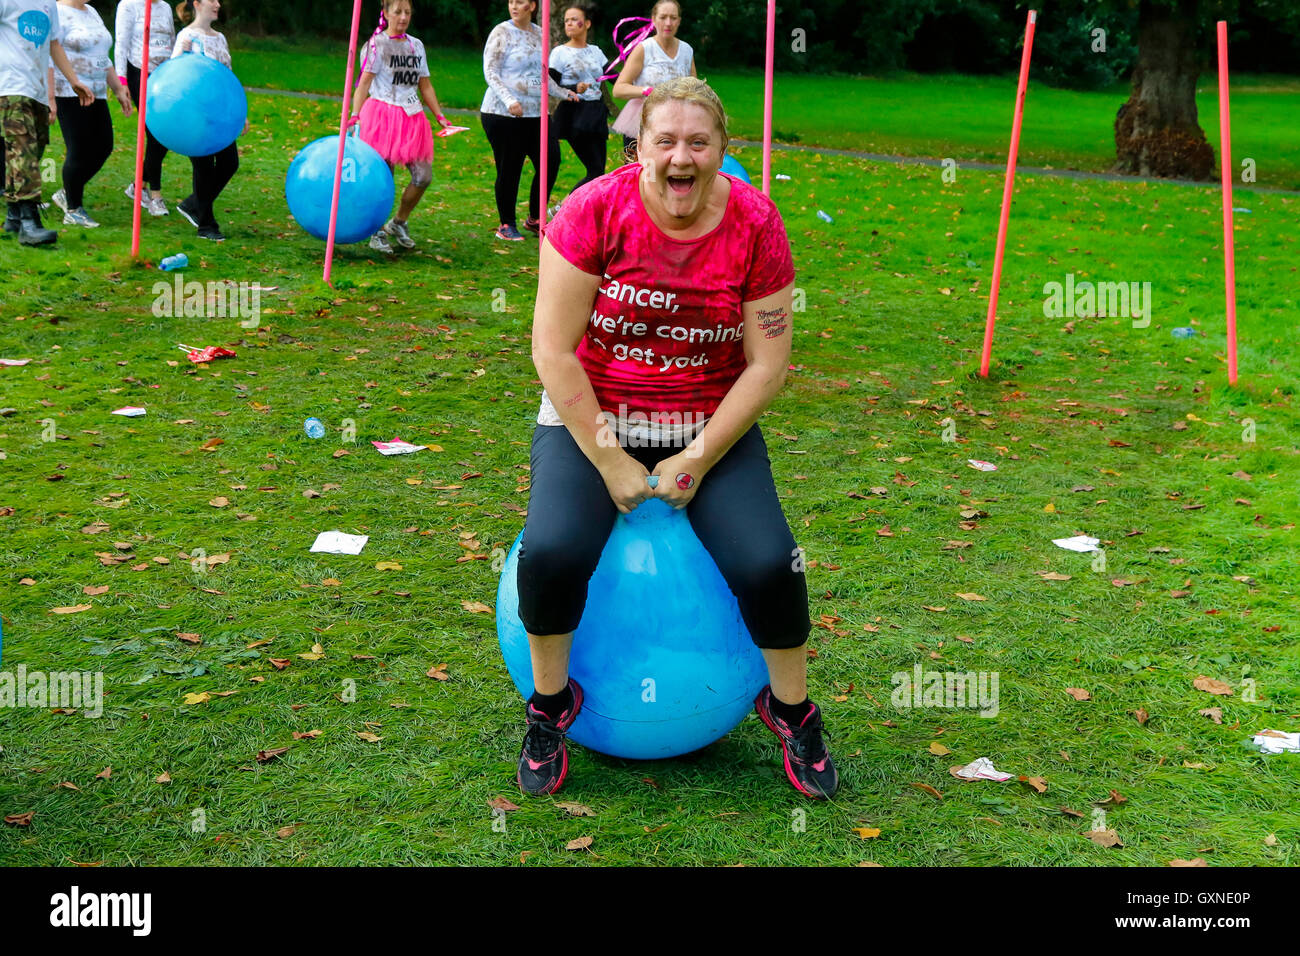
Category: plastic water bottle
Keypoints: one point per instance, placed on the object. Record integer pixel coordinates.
(824, 216)
(172, 263)
(314, 428)
(1184, 332)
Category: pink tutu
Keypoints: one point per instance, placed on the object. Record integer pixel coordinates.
(398, 137)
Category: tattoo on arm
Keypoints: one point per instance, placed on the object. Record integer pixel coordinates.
(773, 322)
(569, 402)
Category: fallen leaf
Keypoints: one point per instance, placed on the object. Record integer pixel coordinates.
(285, 832)
(576, 809)
(1106, 838)
(307, 734)
(74, 609)
(190, 638)
(476, 607)
(581, 843)
(95, 591)
(369, 737)
(1052, 576)
(266, 755)
(1142, 716)
(201, 698)
(438, 672)
(970, 596)
(928, 789)
(867, 833)
(105, 773)
(1214, 713)
(1071, 813)
(1198, 861)
(388, 566)
(219, 502)
(1212, 686)
(1078, 693)
(163, 777)
(938, 749)
(20, 819)
(501, 803)
(1037, 783)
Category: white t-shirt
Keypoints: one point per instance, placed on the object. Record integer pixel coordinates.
(128, 34)
(205, 44)
(86, 41)
(580, 65)
(397, 65)
(512, 66)
(26, 28)
(658, 67)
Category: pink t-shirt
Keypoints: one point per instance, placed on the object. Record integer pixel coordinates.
(665, 334)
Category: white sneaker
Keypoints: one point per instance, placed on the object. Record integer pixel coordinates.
(379, 243)
(399, 232)
(78, 217)
(60, 199)
(154, 203)
(130, 190)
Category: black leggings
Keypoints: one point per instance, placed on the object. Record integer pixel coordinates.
(514, 138)
(735, 513)
(154, 151)
(590, 149)
(88, 135)
(211, 174)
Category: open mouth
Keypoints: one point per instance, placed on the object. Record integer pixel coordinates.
(681, 185)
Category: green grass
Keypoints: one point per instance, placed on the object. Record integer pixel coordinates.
(963, 117)
(883, 355)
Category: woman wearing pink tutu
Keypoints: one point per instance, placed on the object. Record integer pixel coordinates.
(389, 102)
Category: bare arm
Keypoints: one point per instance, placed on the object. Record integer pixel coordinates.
(430, 99)
(362, 92)
(84, 96)
(565, 295)
(624, 87)
(767, 354)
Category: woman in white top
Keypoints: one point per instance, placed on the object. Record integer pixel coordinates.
(211, 173)
(578, 66)
(657, 59)
(128, 57)
(512, 110)
(87, 130)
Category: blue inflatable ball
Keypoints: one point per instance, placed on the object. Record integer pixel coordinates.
(365, 192)
(732, 165)
(665, 661)
(195, 106)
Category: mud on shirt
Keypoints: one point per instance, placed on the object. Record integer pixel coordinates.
(666, 331)
(398, 65)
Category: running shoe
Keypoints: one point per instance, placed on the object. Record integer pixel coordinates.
(544, 758)
(509, 232)
(533, 225)
(380, 244)
(78, 217)
(155, 205)
(808, 763)
(213, 233)
(188, 209)
(397, 230)
(60, 199)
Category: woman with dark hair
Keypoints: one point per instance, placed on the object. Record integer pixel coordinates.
(511, 114)
(584, 125)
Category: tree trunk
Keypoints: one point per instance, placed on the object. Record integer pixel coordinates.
(1156, 131)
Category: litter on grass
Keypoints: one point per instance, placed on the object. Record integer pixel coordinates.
(981, 465)
(981, 768)
(128, 411)
(207, 354)
(397, 447)
(336, 542)
(1276, 742)
(4, 361)
(1080, 542)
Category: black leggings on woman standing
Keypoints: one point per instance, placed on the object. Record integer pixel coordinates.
(514, 138)
(154, 151)
(211, 174)
(590, 149)
(735, 513)
(88, 135)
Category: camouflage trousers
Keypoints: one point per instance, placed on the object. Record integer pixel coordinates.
(25, 132)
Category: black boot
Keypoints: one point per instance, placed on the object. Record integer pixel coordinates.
(13, 217)
(31, 232)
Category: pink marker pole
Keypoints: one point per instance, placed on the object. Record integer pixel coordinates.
(343, 131)
(1007, 189)
(542, 191)
(1226, 171)
(140, 135)
(769, 70)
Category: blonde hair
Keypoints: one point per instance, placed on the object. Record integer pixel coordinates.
(686, 89)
